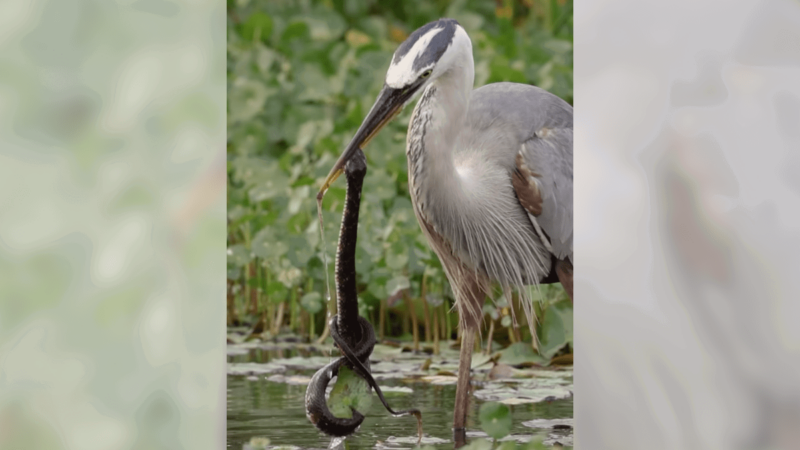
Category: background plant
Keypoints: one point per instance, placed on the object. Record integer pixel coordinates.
(301, 77)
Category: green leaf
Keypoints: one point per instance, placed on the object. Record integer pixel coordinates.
(277, 292)
(312, 302)
(257, 27)
(266, 246)
(521, 353)
(295, 30)
(349, 390)
(477, 444)
(238, 255)
(556, 328)
(396, 284)
(395, 259)
(490, 311)
(495, 419)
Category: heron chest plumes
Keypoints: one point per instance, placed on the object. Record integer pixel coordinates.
(465, 202)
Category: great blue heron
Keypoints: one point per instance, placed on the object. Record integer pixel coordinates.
(489, 172)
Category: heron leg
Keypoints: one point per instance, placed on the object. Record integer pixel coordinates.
(462, 388)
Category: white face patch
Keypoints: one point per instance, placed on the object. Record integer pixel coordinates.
(402, 73)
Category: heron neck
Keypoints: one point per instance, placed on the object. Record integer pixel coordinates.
(449, 104)
(437, 122)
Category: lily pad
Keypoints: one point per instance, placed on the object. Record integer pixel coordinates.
(298, 380)
(521, 354)
(426, 440)
(510, 439)
(477, 444)
(440, 379)
(495, 419)
(555, 439)
(256, 443)
(479, 360)
(530, 391)
(254, 368)
(349, 391)
(298, 362)
(550, 423)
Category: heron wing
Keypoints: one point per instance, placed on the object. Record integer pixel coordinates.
(531, 129)
(543, 182)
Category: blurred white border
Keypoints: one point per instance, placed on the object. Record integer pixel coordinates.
(112, 224)
(687, 206)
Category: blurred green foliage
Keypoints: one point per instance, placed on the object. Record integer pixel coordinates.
(301, 77)
(495, 419)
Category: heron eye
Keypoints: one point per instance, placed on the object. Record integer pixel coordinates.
(426, 74)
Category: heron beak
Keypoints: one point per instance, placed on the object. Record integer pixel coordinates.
(388, 105)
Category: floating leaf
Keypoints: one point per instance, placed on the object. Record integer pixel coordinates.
(257, 443)
(440, 379)
(254, 368)
(350, 390)
(495, 419)
(550, 423)
(520, 353)
(477, 444)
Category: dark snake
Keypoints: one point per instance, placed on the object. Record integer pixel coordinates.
(353, 334)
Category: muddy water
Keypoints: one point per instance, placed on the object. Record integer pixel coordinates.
(258, 407)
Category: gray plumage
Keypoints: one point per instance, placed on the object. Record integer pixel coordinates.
(489, 171)
(468, 199)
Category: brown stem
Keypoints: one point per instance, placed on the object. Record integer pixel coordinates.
(435, 331)
(382, 319)
(516, 313)
(311, 326)
(405, 321)
(462, 386)
(414, 325)
(278, 321)
(270, 312)
(294, 310)
(489, 338)
(443, 323)
(253, 291)
(302, 326)
(449, 333)
(425, 309)
(231, 299)
(325, 333)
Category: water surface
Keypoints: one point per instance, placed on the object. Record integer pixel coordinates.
(258, 407)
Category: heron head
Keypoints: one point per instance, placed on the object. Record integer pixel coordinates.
(424, 56)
